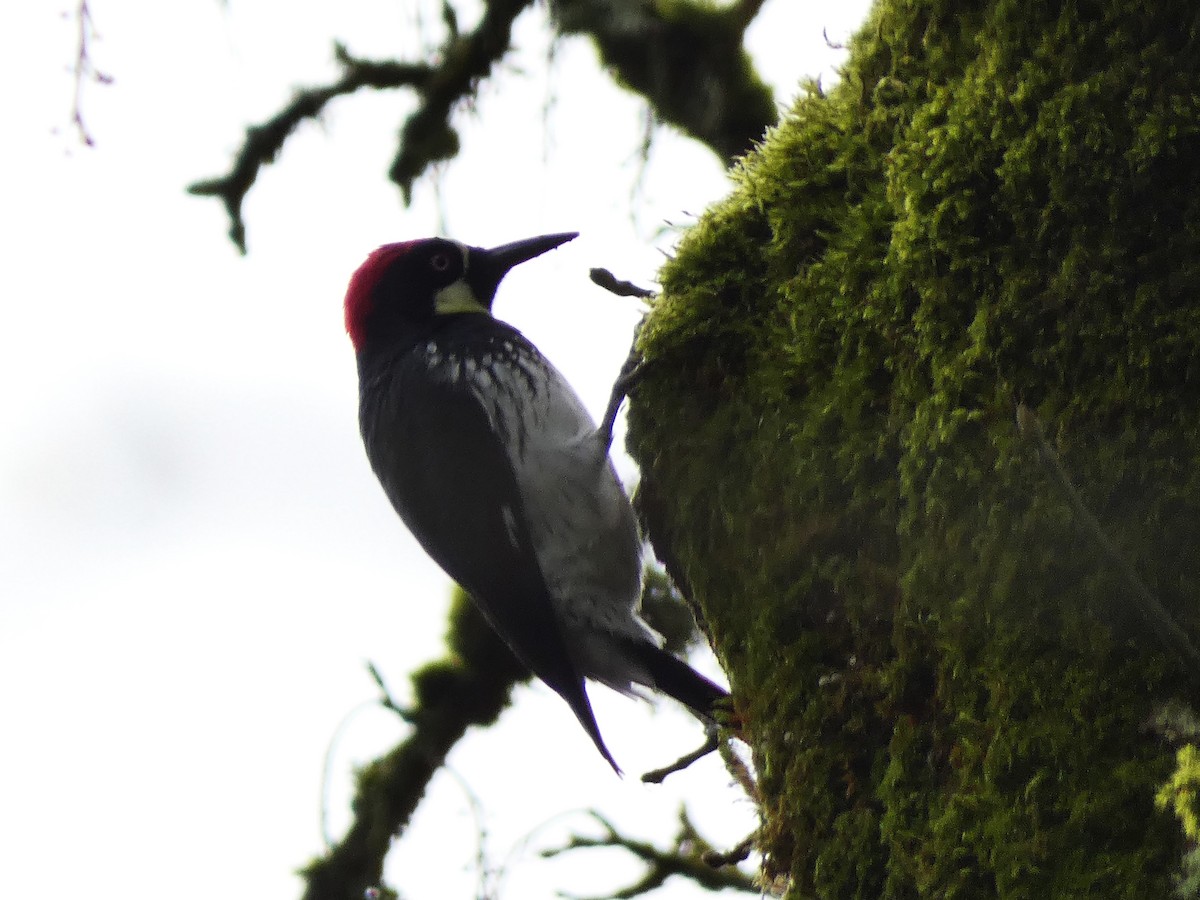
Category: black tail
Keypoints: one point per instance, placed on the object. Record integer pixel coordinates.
(675, 678)
(577, 698)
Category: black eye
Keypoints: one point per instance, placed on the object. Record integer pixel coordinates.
(439, 262)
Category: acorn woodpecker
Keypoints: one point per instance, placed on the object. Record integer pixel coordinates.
(493, 463)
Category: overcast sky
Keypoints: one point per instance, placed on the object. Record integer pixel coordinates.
(195, 559)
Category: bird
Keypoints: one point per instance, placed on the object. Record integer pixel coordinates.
(493, 463)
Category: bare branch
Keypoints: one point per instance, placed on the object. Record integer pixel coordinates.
(385, 699)
(734, 855)
(470, 687)
(85, 70)
(263, 142)
(427, 136)
(607, 280)
(711, 742)
(686, 858)
(687, 60)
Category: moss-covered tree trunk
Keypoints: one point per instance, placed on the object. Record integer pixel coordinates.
(944, 675)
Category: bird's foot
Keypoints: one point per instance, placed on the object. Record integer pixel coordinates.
(631, 373)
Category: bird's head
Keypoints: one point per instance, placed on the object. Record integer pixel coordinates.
(407, 284)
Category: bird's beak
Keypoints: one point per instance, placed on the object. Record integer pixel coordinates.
(504, 257)
(487, 267)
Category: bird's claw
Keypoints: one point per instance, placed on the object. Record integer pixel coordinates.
(631, 373)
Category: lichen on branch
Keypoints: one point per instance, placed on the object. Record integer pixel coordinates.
(471, 686)
(263, 142)
(690, 857)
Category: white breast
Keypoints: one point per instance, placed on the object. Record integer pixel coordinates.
(579, 517)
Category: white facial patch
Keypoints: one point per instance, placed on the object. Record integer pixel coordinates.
(457, 298)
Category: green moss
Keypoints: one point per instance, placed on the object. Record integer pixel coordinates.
(1179, 795)
(942, 679)
(1180, 792)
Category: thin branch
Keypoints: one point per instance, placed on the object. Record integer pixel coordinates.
(327, 769)
(607, 280)
(263, 142)
(521, 847)
(483, 870)
(427, 136)
(386, 702)
(637, 190)
(739, 853)
(686, 58)
(385, 699)
(85, 70)
(469, 687)
(711, 742)
(831, 44)
(685, 859)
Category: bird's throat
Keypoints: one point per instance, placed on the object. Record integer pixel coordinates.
(458, 298)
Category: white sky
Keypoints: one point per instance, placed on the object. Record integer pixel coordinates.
(195, 560)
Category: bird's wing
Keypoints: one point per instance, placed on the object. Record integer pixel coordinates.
(456, 491)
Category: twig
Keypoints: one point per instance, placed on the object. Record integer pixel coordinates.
(684, 859)
(832, 45)
(521, 846)
(85, 69)
(733, 856)
(711, 742)
(607, 280)
(692, 69)
(469, 687)
(481, 836)
(327, 769)
(427, 136)
(263, 142)
(386, 700)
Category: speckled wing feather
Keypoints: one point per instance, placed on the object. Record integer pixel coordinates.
(580, 521)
